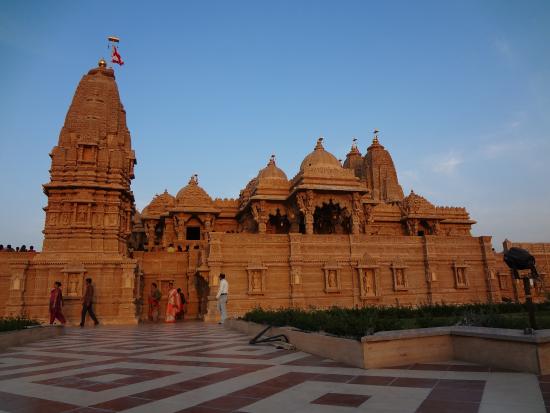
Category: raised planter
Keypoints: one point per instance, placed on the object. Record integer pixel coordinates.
(501, 348)
(28, 335)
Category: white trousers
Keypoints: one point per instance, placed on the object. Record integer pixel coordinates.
(222, 303)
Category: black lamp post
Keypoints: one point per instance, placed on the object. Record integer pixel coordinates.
(520, 259)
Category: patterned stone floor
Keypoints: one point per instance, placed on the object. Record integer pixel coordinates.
(196, 367)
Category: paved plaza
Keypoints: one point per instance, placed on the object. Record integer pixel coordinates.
(197, 367)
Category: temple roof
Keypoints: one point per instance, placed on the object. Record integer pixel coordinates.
(321, 170)
(416, 204)
(160, 205)
(192, 196)
(320, 158)
(271, 171)
(380, 173)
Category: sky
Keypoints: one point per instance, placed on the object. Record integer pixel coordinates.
(460, 92)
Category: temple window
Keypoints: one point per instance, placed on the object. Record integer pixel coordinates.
(193, 234)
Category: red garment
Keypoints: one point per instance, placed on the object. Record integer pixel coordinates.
(56, 305)
(173, 306)
(115, 58)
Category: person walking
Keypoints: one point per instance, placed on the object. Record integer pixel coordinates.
(87, 303)
(221, 296)
(56, 304)
(183, 301)
(154, 303)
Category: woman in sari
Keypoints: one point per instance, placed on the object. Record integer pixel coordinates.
(56, 304)
(174, 304)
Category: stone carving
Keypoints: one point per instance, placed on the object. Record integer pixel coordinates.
(460, 275)
(400, 278)
(332, 278)
(256, 278)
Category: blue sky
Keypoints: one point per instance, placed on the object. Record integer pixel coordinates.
(459, 90)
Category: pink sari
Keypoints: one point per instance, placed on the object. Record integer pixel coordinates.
(173, 306)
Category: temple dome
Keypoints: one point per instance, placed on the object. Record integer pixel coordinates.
(272, 171)
(192, 195)
(320, 158)
(159, 205)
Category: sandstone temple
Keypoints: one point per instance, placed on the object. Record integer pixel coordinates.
(334, 234)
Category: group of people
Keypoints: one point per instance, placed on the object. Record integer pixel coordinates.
(56, 304)
(22, 248)
(175, 307)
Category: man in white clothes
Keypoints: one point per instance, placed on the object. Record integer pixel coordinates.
(223, 289)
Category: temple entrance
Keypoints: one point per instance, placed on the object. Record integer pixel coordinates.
(331, 218)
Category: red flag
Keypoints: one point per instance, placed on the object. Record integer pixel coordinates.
(115, 57)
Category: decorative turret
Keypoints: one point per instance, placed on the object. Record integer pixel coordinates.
(379, 170)
(354, 160)
(90, 204)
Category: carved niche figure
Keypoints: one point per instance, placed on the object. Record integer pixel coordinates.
(400, 279)
(332, 278)
(461, 280)
(256, 280)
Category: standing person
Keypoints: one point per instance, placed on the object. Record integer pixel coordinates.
(181, 313)
(87, 303)
(154, 303)
(174, 304)
(56, 304)
(221, 296)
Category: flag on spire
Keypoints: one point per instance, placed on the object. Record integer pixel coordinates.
(115, 57)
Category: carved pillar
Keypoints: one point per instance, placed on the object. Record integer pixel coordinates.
(150, 229)
(357, 216)
(16, 301)
(168, 233)
(493, 292)
(127, 308)
(432, 283)
(368, 213)
(306, 206)
(296, 261)
(259, 212)
(215, 261)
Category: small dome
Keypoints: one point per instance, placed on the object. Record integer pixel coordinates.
(271, 171)
(193, 195)
(320, 158)
(159, 205)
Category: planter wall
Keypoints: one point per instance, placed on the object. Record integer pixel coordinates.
(28, 335)
(500, 348)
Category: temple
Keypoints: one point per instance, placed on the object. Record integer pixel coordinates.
(335, 234)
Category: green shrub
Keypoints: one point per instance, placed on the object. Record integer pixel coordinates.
(358, 322)
(16, 323)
